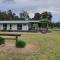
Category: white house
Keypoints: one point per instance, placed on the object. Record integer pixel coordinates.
(18, 25)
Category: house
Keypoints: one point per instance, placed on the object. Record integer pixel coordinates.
(18, 25)
(25, 24)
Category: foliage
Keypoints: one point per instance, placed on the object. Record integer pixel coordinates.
(24, 15)
(37, 16)
(44, 17)
(56, 24)
(9, 15)
(47, 15)
(2, 40)
(20, 44)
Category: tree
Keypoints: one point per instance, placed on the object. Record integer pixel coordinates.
(10, 15)
(24, 15)
(3, 15)
(47, 15)
(37, 16)
(57, 24)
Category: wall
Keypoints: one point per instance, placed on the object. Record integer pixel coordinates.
(1, 26)
(24, 27)
(14, 27)
(8, 26)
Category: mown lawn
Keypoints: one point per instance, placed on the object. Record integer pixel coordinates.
(49, 45)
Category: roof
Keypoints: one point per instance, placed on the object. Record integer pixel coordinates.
(23, 21)
(19, 21)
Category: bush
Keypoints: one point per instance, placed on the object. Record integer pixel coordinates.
(20, 44)
(2, 40)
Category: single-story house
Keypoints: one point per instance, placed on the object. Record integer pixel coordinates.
(19, 25)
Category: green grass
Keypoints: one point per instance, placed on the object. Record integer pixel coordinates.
(49, 47)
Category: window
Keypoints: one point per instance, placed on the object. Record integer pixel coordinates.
(10, 26)
(4, 26)
(19, 26)
(24, 24)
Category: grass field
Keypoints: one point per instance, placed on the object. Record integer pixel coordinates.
(49, 45)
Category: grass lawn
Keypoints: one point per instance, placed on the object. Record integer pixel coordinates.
(49, 45)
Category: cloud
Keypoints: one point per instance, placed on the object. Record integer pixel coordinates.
(8, 1)
(32, 6)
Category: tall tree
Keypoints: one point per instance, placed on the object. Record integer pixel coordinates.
(10, 15)
(3, 15)
(24, 15)
(46, 15)
(37, 16)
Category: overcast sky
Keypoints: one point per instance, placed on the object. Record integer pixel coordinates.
(33, 6)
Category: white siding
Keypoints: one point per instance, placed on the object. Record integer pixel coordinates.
(8, 26)
(24, 27)
(1, 26)
(14, 27)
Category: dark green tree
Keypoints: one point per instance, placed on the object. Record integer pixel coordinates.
(3, 15)
(37, 16)
(46, 15)
(10, 15)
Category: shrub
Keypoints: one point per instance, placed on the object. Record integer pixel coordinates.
(20, 44)
(2, 40)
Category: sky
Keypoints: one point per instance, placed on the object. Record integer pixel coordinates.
(32, 6)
